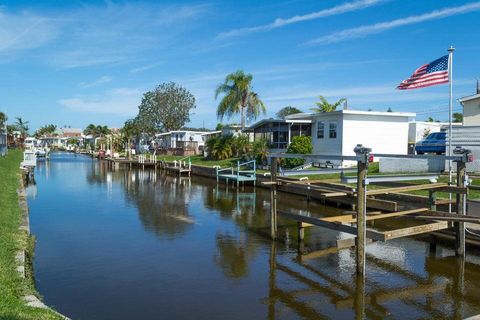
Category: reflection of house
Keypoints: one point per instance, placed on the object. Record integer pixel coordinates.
(279, 132)
(181, 142)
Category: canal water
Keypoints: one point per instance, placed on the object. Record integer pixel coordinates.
(131, 244)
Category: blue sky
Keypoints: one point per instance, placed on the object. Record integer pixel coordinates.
(80, 62)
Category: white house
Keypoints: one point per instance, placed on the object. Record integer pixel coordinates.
(185, 140)
(338, 132)
(471, 108)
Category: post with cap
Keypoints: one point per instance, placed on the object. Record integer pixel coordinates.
(362, 165)
(273, 198)
(461, 202)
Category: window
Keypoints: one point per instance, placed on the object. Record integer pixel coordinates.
(320, 130)
(332, 132)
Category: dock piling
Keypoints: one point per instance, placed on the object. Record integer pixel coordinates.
(362, 166)
(461, 206)
(273, 199)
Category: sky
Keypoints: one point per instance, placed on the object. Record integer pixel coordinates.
(72, 63)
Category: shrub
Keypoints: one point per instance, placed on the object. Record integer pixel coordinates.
(260, 150)
(299, 145)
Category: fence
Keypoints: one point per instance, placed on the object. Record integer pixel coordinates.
(467, 137)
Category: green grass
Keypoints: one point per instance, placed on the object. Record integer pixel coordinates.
(12, 286)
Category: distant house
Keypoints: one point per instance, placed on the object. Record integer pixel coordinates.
(279, 132)
(231, 129)
(418, 130)
(338, 132)
(471, 108)
(180, 142)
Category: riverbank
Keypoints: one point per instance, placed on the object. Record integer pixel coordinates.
(13, 239)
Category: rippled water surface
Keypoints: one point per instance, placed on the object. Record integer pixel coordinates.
(131, 244)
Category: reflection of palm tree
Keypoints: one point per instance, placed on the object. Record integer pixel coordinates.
(234, 254)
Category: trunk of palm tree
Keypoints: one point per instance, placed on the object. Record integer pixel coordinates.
(243, 117)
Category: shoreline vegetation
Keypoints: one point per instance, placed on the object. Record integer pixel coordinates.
(333, 177)
(13, 288)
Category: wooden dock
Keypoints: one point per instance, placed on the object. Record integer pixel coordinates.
(426, 220)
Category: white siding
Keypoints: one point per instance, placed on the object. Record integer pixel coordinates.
(471, 112)
(384, 134)
(327, 145)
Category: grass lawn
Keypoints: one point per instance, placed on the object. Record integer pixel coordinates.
(12, 286)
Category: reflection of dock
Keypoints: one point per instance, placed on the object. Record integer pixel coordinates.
(323, 295)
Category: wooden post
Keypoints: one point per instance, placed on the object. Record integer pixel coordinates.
(460, 226)
(362, 168)
(273, 199)
(432, 198)
(361, 217)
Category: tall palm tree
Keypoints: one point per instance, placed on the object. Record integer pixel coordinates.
(325, 106)
(22, 126)
(239, 98)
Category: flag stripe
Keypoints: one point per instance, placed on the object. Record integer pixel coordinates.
(428, 74)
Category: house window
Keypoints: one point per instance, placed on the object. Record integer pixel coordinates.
(320, 130)
(332, 130)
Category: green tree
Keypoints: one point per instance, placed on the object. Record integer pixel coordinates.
(324, 106)
(430, 119)
(220, 148)
(166, 108)
(45, 130)
(239, 97)
(299, 145)
(457, 117)
(240, 145)
(219, 126)
(22, 126)
(260, 150)
(130, 130)
(389, 109)
(286, 111)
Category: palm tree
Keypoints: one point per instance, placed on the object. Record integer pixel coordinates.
(325, 106)
(239, 98)
(22, 126)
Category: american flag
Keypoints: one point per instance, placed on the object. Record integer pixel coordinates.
(429, 74)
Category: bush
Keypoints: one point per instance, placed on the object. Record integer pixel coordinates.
(260, 150)
(299, 145)
(220, 148)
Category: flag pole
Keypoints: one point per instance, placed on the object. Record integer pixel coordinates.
(450, 114)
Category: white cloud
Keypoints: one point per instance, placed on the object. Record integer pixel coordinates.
(366, 30)
(95, 83)
(118, 101)
(25, 30)
(100, 34)
(280, 22)
(145, 67)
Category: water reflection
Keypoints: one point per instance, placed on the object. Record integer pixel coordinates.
(212, 255)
